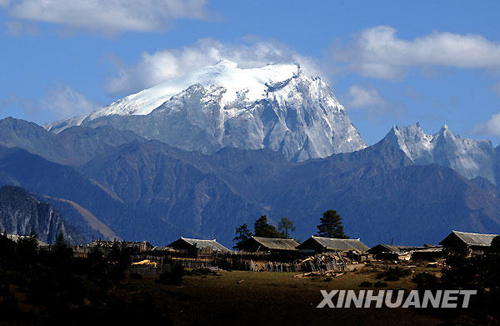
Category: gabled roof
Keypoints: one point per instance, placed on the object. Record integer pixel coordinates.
(473, 239)
(202, 244)
(276, 243)
(394, 249)
(338, 244)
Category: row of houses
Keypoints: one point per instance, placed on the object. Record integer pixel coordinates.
(311, 246)
(476, 243)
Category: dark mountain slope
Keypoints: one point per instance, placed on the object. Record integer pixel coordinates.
(83, 144)
(378, 191)
(44, 178)
(148, 190)
(22, 213)
(413, 204)
(163, 184)
(381, 195)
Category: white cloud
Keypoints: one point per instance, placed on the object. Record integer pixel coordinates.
(363, 98)
(18, 28)
(370, 101)
(160, 66)
(378, 52)
(108, 16)
(24, 103)
(60, 101)
(64, 101)
(491, 127)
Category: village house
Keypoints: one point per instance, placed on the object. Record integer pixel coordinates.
(428, 253)
(105, 246)
(392, 252)
(315, 245)
(477, 243)
(138, 245)
(269, 245)
(142, 245)
(197, 245)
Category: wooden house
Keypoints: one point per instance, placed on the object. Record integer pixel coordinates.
(392, 252)
(139, 246)
(428, 253)
(315, 245)
(192, 245)
(477, 243)
(269, 245)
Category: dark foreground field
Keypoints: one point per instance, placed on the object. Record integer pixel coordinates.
(229, 298)
(55, 288)
(252, 298)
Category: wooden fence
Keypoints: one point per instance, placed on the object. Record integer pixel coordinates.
(234, 262)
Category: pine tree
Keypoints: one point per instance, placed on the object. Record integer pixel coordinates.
(263, 229)
(495, 244)
(61, 250)
(331, 225)
(242, 234)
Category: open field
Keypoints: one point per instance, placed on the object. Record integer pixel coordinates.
(253, 298)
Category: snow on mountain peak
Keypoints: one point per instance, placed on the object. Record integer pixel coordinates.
(227, 63)
(251, 84)
(445, 131)
(469, 157)
(411, 140)
(276, 107)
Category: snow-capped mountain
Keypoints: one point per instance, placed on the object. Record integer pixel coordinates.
(276, 107)
(471, 158)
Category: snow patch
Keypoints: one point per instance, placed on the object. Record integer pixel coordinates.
(471, 158)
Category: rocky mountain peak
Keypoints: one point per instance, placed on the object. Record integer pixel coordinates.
(277, 107)
(469, 157)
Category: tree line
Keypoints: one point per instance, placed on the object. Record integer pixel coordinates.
(330, 226)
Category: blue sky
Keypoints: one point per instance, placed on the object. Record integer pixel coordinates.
(388, 62)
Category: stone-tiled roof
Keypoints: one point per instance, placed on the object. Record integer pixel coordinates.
(277, 243)
(473, 239)
(337, 244)
(393, 248)
(202, 244)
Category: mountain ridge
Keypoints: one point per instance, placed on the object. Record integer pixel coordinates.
(377, 191)
(73, 146)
